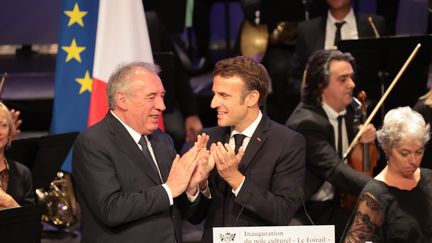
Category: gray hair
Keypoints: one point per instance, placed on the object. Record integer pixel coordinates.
(401, 123)
(121, 78)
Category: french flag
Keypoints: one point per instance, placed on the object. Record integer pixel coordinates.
(121, 37)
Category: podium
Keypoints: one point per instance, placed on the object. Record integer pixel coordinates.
(378, 61)
(21, 224)
(287, 234)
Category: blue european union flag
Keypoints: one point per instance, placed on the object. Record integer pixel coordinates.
(73, 77)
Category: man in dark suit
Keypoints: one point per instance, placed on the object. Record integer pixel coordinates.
(259, 184)
(320, 33)
(129, 180)
(325, 116)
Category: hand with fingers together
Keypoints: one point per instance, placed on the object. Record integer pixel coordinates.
(17, 123)
(6, 200)
(227, 163)
(204, 165)
(181, 171)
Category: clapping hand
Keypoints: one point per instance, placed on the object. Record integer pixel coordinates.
(17, 123)
(191, 169)
(227, 163)
(204, 165)
(6, 200)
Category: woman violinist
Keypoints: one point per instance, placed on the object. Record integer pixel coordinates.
(395, 206)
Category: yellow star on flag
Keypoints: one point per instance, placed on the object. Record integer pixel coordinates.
(76, 16)
(73, 51)
(86, 83)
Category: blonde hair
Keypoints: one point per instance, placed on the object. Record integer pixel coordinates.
(9, 121)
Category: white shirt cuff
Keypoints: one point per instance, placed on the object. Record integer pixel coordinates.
(168, 190)
(236, 192)
(206, 192)
(192, 198)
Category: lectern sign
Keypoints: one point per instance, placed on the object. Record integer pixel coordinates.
(275, 234)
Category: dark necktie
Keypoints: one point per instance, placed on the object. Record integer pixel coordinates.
(146, 152)
(339, 144)
(338, 31)
(238, 141)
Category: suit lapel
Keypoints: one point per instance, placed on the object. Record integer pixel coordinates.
(161, 156)
(257, 140)
(321, 118)
(129, 147)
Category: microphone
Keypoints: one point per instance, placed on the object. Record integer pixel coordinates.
(370, 20)
(245, 202)
(306, 4)
(301, 195)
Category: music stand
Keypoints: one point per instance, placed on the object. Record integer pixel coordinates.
(378, 62)
(44, 155)
(22, 224)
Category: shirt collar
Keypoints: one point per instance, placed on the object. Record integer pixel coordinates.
(136, 136)
(251, 128)
(331, 113)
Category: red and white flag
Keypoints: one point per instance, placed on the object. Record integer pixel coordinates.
(121, 37)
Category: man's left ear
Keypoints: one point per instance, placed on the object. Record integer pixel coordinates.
(252, 98)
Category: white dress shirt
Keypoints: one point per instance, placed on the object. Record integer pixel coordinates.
(136, 137)
(348, 30)
(248, 132)
(326, 191)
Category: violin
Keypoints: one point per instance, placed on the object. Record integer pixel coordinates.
(363, 157)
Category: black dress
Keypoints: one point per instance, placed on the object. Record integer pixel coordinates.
(388, 214)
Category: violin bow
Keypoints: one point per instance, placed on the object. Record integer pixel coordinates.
(387, 92)
(2, 82)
